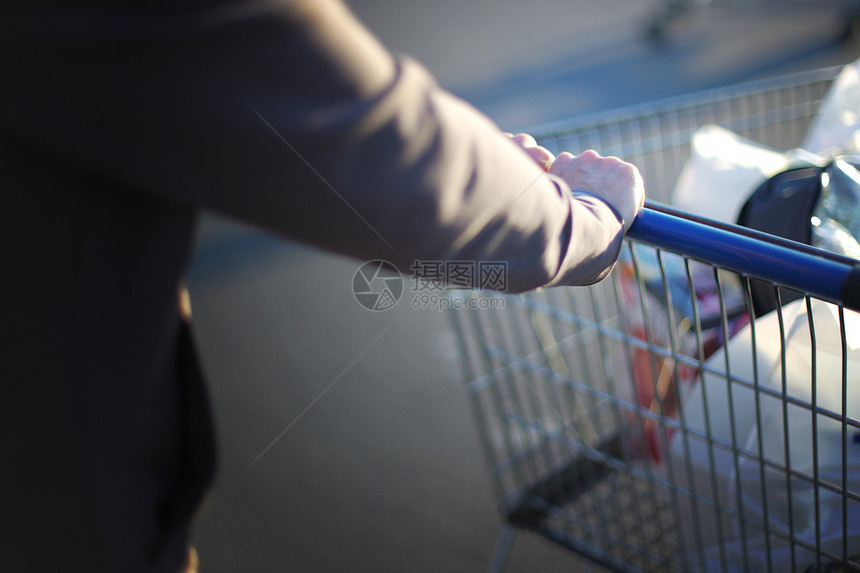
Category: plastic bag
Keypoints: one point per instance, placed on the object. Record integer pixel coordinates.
(836, 127)
(835, 219)
(659, 304)
(720, 476)
(734, 453)
(724, 168)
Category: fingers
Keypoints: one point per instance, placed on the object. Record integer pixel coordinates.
(561, 163)
(524, 140)
(617, 182)
(540, 155)
(584, 166)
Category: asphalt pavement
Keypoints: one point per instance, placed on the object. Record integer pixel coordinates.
(347, 440)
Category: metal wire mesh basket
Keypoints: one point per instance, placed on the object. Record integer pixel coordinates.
(648, 428)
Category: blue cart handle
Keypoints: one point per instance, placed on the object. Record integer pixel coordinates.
(834, 278)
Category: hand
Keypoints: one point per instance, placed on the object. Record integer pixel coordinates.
(541, 155)
(615, 181)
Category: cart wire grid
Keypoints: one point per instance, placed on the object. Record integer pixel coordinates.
(656, 421)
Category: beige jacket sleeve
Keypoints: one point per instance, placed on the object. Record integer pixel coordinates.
(291, 116)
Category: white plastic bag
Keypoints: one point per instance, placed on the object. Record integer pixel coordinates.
(836, 127)
(763, 489)
(724, 168)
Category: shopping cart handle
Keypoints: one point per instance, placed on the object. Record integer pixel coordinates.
(834, 278)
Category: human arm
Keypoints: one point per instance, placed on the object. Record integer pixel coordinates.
(291, 116)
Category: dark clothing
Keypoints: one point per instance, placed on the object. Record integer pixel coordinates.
(117, 126)
(100, 421)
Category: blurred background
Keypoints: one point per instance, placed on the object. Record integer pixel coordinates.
(347, 440)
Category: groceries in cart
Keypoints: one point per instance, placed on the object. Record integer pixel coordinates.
(664, 296)
(678, 306)
(747, 428)
(724, 168)
(773, 396)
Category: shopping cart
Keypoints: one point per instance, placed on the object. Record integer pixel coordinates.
(648, 431)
